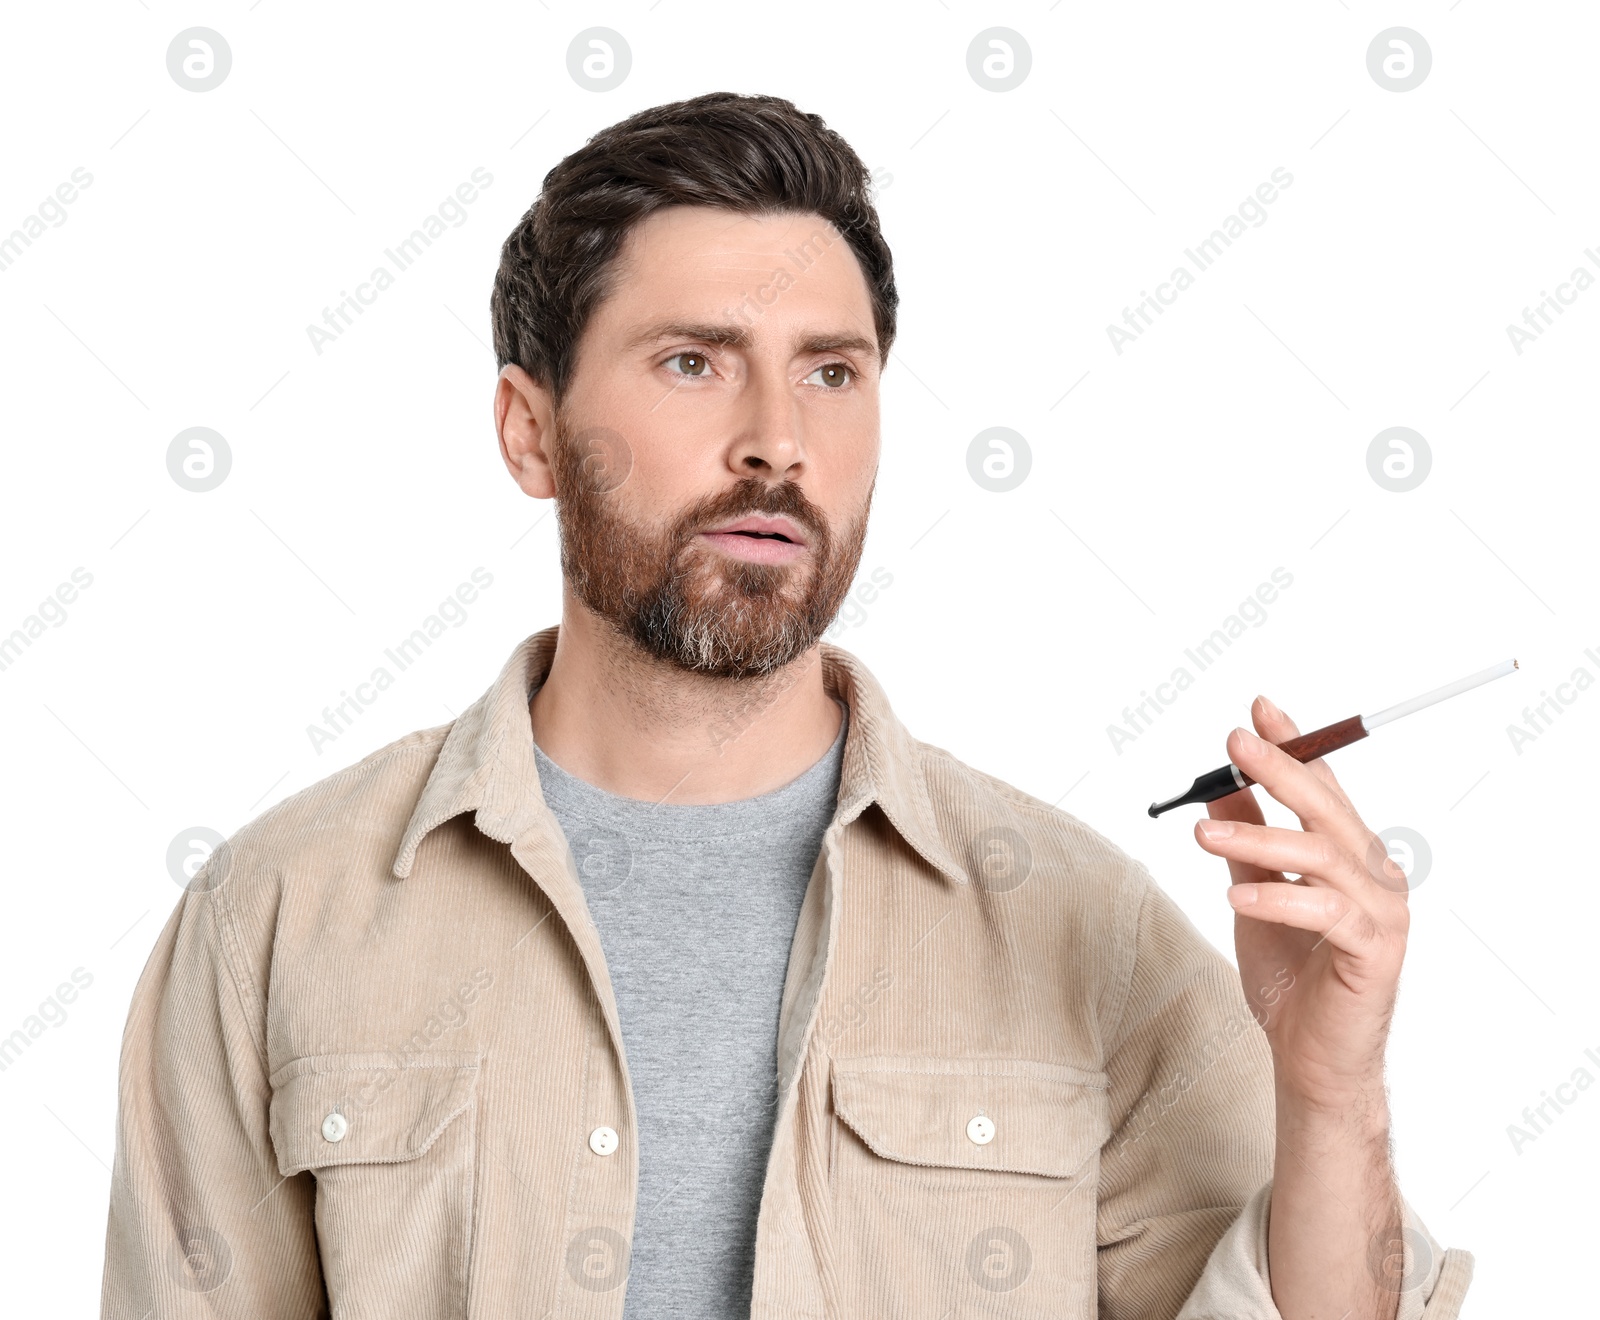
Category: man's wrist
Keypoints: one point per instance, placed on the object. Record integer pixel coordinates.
(1353, 1112)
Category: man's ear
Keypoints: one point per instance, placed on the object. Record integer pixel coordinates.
(524, 418)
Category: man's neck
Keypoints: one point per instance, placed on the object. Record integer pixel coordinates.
(643, 728)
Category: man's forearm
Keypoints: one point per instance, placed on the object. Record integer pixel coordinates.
(1336, 1213)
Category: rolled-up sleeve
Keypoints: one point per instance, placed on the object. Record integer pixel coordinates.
(1185, 1178)
(1432, 1282)
(201, 1223)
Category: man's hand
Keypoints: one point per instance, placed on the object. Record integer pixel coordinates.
(1320, 962)
(1340, 931)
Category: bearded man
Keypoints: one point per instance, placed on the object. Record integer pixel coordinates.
(675, 978)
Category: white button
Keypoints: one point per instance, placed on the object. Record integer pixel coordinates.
(334, 1126)
(603, 1140)
(980, 1130)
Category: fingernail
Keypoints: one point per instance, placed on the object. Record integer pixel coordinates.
(1268, 705)
(1249, 739)
(1216, 829)
(1243, 895)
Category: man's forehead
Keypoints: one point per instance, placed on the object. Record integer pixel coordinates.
(695, 272)
(728, 253)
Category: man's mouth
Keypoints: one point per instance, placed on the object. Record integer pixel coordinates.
(759, 540)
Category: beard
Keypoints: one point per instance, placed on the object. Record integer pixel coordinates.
(677, 598)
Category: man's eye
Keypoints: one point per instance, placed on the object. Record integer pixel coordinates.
(833, 376)
(694, 364)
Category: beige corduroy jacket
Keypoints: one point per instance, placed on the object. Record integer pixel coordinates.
(365, 1065)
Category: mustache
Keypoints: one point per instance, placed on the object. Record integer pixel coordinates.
(748, 496)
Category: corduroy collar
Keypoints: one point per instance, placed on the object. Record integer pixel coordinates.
(486, 764)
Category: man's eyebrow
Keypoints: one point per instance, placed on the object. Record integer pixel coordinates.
(837, 343)
(732, 335)
(735, 336)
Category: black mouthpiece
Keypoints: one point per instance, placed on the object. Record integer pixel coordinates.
(1209, 787)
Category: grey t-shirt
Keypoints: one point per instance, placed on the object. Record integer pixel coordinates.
(696, 908)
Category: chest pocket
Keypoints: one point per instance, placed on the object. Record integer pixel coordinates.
(966, 1187)
(390, 1140)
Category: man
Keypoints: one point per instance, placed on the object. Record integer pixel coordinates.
(675, 978)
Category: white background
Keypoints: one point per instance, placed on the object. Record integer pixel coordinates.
(1167, 481)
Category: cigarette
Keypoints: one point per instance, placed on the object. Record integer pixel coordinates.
(1229, 778)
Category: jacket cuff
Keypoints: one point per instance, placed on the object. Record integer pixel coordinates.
(1433, 1281)
(1235, 1284)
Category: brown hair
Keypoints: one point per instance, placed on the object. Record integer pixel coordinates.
(752, 154)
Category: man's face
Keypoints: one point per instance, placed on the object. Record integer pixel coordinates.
(715, 454)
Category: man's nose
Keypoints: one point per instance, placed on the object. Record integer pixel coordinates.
(768, 441)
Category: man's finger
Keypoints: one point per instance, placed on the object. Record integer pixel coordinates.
(1243, 808)
(1276, 727)
(1319, 806)
(1341, 922)
(1315, 856)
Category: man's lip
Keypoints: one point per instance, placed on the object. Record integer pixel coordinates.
(768, 526)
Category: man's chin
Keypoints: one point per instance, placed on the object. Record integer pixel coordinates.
(713, 579)
(723, 639)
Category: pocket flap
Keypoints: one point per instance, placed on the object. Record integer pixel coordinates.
(1044, 1118)
(373, 1108)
